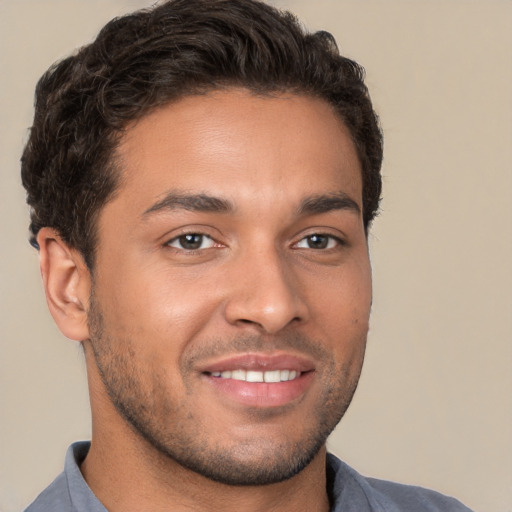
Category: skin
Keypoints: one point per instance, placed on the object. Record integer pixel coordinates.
(279, 275)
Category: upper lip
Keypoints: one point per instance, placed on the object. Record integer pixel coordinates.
(258, 361)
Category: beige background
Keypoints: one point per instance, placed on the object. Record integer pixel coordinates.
(434, 405)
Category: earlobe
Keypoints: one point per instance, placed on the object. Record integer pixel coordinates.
(67, 284)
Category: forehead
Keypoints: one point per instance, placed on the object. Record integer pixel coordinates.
(239, 146)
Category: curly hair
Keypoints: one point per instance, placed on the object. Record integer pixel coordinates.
(147, 59)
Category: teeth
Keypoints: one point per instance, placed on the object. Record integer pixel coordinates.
(272, 376)
(256, 376)
(238, 374)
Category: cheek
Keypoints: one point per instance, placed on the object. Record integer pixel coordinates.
(155, 306)
(344, 296)
(341, 312)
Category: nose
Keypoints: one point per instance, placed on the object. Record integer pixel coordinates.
(265, 293)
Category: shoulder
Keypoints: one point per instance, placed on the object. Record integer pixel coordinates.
(54, 498)
(69, 492)
(381, 495)
(410, 497)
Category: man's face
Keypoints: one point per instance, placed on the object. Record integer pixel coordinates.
(232, 284)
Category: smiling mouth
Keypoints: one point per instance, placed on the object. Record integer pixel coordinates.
(260, 381)
(258, 376)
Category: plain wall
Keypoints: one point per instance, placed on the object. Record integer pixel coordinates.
(434, 406)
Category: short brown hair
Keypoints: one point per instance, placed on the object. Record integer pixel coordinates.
(149, 58)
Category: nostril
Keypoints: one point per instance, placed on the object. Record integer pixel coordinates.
(248, 322)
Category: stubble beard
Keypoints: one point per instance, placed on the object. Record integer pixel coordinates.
(141, 397)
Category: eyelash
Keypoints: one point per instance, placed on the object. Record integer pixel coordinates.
(331, 240)
(183, 237)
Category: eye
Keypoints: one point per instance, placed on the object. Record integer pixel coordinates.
(191, 242)
(319, 241)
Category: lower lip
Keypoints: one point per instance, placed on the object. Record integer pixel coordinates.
(262, 394)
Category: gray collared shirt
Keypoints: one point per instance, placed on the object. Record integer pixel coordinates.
(348, 491)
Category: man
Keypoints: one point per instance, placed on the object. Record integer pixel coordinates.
(202, 179)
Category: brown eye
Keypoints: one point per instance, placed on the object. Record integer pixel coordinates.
(191, 242)
(318, 241)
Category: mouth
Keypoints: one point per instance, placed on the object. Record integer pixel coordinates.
(258, 376)
(260, 380)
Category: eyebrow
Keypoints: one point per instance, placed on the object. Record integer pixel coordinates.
(191, 202)
(312, 205)
(328, 202)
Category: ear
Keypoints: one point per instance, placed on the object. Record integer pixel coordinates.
(67, 284)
